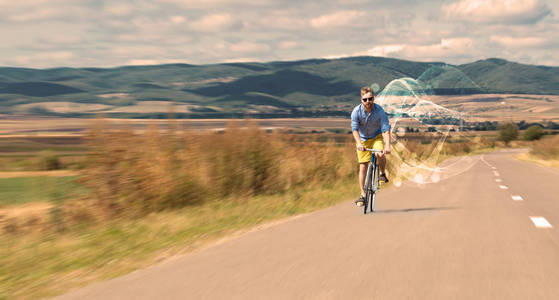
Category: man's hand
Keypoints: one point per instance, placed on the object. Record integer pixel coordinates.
(386, 150)
(360, 147)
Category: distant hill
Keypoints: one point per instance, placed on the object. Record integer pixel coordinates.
(291, 88)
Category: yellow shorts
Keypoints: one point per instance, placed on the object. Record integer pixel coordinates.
(377, 143)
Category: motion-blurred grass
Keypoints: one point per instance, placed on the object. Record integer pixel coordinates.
(134, 174)
(21, 190)
(41, 265)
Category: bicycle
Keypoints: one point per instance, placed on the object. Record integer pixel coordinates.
(372, 182)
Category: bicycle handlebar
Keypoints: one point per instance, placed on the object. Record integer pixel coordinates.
(373, 150)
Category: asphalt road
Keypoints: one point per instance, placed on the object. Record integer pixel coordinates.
(464, 237)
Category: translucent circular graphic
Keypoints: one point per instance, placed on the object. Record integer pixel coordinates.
(375, 87)
(418, 178)
(400, 131)
(421, 127)
(435, 177)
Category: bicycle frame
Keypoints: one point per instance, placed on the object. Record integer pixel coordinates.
(371, 182)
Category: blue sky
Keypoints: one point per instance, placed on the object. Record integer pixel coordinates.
(74, 33)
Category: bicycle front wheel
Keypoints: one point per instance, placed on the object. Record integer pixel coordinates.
(368, 187)
(373, 197)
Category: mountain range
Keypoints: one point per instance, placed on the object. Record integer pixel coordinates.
(287, 88)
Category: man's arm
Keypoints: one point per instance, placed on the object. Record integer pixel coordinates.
(385, 128)
(355, 130)
(358, 142)
(386, 139)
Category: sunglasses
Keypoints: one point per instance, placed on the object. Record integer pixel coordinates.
(368, 99)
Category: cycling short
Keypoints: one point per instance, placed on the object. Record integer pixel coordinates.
(376, 143)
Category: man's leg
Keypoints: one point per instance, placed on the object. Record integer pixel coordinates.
(382, 166)
(382, 163)
(362, 174)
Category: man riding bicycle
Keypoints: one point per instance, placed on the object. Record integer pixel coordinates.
(371, 129)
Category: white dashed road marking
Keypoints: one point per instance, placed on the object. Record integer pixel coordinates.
(485, 162)
(504, 187)
(498, 180)
(496, 173)
(493, 168)
(540, 222)
(517, 198)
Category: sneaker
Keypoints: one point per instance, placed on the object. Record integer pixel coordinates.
(383, 178)
(360, 201)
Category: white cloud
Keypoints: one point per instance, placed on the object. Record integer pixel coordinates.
(449, 48)
(146, 62)
(249, 47)
(200, 4)
(119, 9)
(339, 19)
(137, 50)
(288, 45)
(41, 10)
(497, 11)
(61, 39)
(336, 56)
(41, 33)
(44, 59)
(241, 60)
(280, 22)
(178, 19)
(385, 50)
(214, 22)
(520, 42)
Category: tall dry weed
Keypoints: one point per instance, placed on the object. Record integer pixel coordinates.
(546, 148)
(134, 173)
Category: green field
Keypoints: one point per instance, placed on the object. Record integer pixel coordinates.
(22, 190)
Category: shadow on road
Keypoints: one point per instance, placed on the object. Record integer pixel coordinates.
(405, 210)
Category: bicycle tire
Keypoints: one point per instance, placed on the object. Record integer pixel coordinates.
(367, 188)
(366, 202)
(374, 185)
(373, 197)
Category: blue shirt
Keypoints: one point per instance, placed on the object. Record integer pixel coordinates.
(371, 124)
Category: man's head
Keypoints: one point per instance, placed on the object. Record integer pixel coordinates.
(367, 97)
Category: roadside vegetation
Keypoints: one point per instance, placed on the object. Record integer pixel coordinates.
(145, 197)
(544, 151)
(547, 148)
(508, 132)
(20, 190)
(534, 132)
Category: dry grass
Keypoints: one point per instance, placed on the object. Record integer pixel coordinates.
(547, 148)
(56, 173)
(534, 159)
(45, 263)
(544, 152)
(172, 169)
